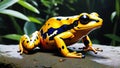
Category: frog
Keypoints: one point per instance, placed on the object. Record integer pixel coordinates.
(62, 31)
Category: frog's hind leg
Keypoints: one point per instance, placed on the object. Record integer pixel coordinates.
(87, 42)
(27, 43)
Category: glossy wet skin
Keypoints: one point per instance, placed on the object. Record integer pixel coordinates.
(59, 32)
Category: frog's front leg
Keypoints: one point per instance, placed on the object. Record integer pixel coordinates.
(27, 43)
(59, 39)
(87, 42)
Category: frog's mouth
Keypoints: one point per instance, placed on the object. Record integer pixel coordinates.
(90, 26)
(87, 28)
(94, 20)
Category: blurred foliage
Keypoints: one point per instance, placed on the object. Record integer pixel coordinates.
(25, 16)
(28, 12)
(115, 18)
(13, 36)
(6, 7)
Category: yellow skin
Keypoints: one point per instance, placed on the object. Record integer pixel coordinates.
(60, 32)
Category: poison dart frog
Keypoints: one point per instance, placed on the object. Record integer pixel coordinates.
(60, 32)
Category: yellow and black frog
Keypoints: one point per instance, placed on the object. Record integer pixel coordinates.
(60, 32)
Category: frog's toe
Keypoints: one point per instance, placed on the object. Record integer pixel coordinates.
(83, 56)
(98, 49)
(79, 54)
(19, 51)
(74, 55)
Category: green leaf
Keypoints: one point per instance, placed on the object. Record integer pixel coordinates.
(28, 6)
(7, 3)
(12, 36)
(113, 16)
(32, 19)
(15, 14)
(113, 37)
(46, 3)
(29, 28)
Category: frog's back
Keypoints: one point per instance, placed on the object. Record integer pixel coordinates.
(56, 25)
(56, 22)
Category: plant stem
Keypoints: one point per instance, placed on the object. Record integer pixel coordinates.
(16, 26)
(114, 32)
(117, 7)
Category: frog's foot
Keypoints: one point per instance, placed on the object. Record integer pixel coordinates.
(90, 48)
(21, 51)
(27, 43)
(75, 55)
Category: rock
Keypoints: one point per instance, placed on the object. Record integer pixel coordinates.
(110, 55)
(10, 58)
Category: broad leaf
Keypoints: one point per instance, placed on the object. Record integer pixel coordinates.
(28, 6)
(14, 13)
(12, 36)
(32, 19)
(113, 37)
(29, 28)
(7, 3)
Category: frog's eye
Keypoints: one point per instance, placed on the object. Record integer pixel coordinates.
(84, 19)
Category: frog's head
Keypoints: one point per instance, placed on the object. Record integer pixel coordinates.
(88, 21)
